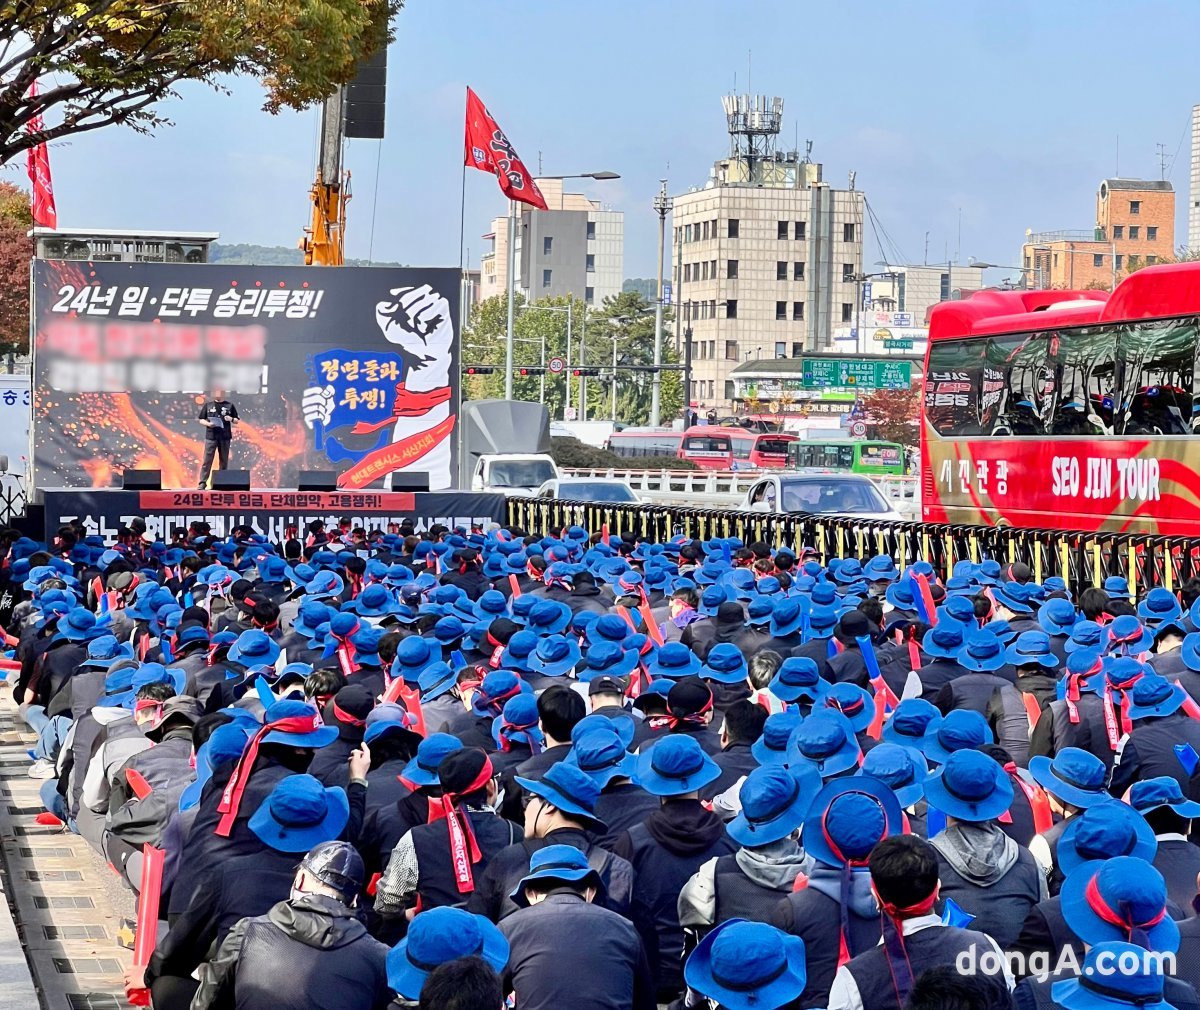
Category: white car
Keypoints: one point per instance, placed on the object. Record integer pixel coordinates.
(827, 494)
(589, 489)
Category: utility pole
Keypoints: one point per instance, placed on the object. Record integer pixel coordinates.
(512, 269)
(662, 204)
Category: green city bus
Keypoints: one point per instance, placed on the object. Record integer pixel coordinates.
(870, 457)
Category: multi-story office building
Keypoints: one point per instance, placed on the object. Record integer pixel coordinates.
(574, 248)
(768, 254)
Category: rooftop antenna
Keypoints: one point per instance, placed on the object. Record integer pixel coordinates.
(749, 66)
(1162, 160)
(1118, 172)
(754, 122)
(539, 163)
(958, 243)
(853, 174)
(927, 248)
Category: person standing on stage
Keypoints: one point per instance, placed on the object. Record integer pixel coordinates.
(219, 416)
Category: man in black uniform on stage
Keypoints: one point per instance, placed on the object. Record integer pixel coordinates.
(219, 416)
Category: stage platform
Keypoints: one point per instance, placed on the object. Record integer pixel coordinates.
(270, 511)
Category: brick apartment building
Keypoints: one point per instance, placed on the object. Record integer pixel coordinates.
(1135, 226)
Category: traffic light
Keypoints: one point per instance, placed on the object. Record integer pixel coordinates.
(531, 371)
(584, 372)
(480, 370)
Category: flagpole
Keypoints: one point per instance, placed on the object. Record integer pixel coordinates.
(512, 269)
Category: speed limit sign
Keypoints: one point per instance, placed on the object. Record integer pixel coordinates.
(858, 429)
(556, 366)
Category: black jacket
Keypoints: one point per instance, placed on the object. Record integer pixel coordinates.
(564, 952)
(735, 761)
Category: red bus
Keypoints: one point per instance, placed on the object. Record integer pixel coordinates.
(730, 448)
(1066, 409)
(638, 443)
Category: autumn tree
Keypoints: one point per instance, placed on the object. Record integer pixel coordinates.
(628, 319)
(111, 61)
(16, 251)
(893, 415)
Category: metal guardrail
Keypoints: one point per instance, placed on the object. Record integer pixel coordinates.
(1082, 559)
(717, 488)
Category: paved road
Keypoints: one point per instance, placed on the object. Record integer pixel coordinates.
(66, 903)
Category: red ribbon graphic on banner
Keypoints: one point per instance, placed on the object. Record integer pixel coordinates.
(395, 456)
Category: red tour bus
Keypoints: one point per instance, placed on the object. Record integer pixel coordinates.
(1067, 409)
(730, 448)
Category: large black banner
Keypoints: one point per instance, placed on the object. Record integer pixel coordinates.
(269, 512)
(344, 368)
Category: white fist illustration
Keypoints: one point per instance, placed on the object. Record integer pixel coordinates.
(317, 405)
(418, 320)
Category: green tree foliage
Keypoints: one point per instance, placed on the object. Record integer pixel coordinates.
(892, 415)
(628, 318)
(647, 287)
(16, 250)
(111, 61)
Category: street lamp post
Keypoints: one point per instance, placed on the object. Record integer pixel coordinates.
(662, 204)
(1036, 271)
(512, 269)
(860, 343)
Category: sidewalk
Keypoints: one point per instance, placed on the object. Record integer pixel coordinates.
(60, 951)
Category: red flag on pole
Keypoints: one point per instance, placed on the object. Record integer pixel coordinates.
(489, 150)
(44, 213)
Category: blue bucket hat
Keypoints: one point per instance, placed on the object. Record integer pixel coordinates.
(1127, 636)
(607, 659)
(982, 651)
(254, 648)
(850, 570)
(676, 764)
(555, 656)
(900, 595)
(549, 617)
(910, 721)
(826, 741)
(822, 620)
(622, 723)
(960, 609)
(556, 863)
(1105, 829)
(774, 803)
(880, 568)
(1153, 696)
(787, 616)
(518, 722)
(1110, 981)
(324, 585)
(1117, 588)
(449, 630)
(725, 664)
(1162, 793)
(945, 641)
(961, 729)
(375, 601)
(495, 689)
(309, 616)
(797, 679)
(1032, 648)
(744, 965)
(106, 650)
(300, 813)
(491, 604)
(855, 703)
(970, 786)
(519, 649)
(1014, 596)
(1159, 607)
(366, 646)
(422, 770)
(569, 789)
(439, 935)
(1125, 888)
(79, 625)
(226, 743)
(848, 818)
(319, 736)
(674, 660)
(1073, 776)
(901, 769)
(601, 753)
(1058, 617)
(771, 748)
(1085, 635)
(711, 599)
(607, 628)
(414, 655)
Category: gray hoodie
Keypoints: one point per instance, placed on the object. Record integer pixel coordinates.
(981, 853)
(775, 866)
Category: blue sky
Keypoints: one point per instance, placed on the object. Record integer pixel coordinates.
(1009, 111)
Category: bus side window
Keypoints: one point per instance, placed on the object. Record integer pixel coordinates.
(1083, 363)
(1159, 361)
(1026, 382)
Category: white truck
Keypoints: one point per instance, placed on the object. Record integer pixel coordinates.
(505, 447)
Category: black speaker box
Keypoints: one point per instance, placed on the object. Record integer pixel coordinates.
(231, 480)
(142, 480)
(366, 99)
(317, 480)
(410, 480)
